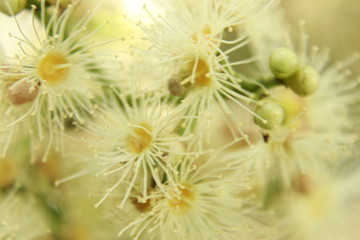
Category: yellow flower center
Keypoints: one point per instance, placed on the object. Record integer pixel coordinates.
(205, 33)
(53, 68)
(202, 70)
(140, 139)
(180, 199)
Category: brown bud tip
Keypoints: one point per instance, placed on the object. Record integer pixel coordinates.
(22, 92)
(175, 87)
(302, 184)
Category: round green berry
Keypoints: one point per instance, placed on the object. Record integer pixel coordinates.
(269, 114)
(304, 82)
(283, 62)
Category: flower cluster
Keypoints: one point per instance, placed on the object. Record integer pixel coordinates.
(200, 120)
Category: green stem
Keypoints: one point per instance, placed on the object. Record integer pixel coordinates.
(258, 86)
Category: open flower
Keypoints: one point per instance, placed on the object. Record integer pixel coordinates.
(203, 202)
(190, 43)
(54, 76)
(136, 137)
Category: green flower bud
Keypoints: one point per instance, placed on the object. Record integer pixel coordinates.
(304, 82)
(270, 114)
(283, 62)
(12, 7)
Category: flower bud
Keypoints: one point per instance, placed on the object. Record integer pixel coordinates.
(283, 62)
(304, 82)
(12, 7)
(270, 114)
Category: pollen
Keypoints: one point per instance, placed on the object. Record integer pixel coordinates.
(53, 68)
(202, 70)
(180, 200)
(140, 139)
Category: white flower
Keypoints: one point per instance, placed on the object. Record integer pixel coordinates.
(53, 78)
(203, 203)
(189, 40)
(80, 220)
(20, 218)
(136, 134)
(322, 207)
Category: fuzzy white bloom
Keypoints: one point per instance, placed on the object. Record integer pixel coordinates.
(135, 137)
(203, 203)
(20, 218)
(204, 121)
(189, 41)
(323, 207)
(53, 77)
(81, 220)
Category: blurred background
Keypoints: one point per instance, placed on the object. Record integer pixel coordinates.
(332, 23)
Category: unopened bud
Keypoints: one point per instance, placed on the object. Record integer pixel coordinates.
(22, 92)
(304, 82)
(270, 114)
(12, 7)
(283, 62)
